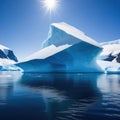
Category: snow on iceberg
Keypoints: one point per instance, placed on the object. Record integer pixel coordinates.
(7, 57)
(67, 49)
(46, 52)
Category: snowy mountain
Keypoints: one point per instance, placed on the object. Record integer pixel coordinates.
(111, 51)
(66, 49)
(6, 57)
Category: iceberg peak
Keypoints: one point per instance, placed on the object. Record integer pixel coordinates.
(75, 32)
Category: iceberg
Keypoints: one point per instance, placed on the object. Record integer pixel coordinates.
(111, 51)
(109, 59)
(7, 57)
(66, 49)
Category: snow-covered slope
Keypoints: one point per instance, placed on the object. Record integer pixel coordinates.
(47, 52)
(6, 57)
(67, 49)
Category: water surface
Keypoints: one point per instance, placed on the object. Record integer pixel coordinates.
(58, 96)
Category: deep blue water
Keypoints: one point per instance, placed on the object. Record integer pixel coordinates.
(36, 96)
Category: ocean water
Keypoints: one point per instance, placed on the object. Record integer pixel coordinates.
(59, 96)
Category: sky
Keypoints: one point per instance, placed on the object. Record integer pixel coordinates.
(24, 24)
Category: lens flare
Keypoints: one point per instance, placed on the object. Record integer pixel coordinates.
(50, 5)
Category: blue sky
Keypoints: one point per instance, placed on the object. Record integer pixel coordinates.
(24, 24)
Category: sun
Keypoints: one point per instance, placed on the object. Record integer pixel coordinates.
(50, 5)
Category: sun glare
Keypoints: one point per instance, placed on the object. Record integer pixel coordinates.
(50, 5)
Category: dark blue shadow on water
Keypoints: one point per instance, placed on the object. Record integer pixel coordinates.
(59, 96)
(74, 86)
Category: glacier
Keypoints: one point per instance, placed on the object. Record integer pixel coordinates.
(66, 49)
(7, 57)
